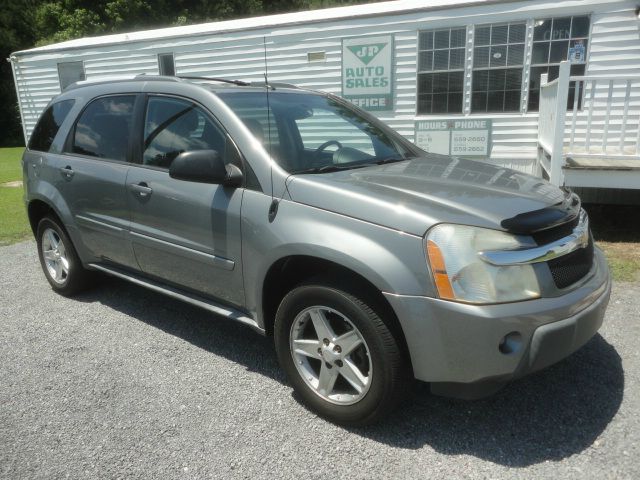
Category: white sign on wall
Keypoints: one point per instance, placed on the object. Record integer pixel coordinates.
(367, 71)
(468, 138)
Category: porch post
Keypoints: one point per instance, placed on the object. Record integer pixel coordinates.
(557, 158)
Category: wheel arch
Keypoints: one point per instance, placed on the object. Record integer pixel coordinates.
(48, 201)
(37, 209)
(287, 272)
(43, 199)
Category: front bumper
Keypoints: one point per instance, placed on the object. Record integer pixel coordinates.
(456, 346)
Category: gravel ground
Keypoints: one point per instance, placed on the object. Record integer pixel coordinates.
(122, 382)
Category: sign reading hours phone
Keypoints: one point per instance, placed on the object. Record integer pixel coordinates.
(367, 72)
(465, 138)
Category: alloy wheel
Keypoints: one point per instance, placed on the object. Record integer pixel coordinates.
(331, 355)
(55, 256)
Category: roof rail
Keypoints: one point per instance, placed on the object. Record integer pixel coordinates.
(215, 79)
(118, 78)
(240, 83)
(96, 80)
(171, 78)
(273, 85)
(156, 78)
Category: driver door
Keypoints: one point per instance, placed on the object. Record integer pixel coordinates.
(184, 233)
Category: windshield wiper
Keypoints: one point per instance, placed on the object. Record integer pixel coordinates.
(329, 168)
(349, 166)
(383, 161)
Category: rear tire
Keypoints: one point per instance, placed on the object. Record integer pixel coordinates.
(338, 354)
(59, 260)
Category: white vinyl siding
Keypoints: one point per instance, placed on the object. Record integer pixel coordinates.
(614, 46)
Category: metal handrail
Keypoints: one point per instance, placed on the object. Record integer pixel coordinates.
(603, 77)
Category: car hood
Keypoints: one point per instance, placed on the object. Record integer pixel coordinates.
(413, 195)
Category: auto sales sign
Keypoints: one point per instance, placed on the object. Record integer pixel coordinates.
(367, 71)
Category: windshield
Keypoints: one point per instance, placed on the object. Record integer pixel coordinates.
(311, 133)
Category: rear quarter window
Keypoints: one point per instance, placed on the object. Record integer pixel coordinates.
(48, 125)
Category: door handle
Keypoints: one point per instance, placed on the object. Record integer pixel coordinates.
(142, 189)
(67, 172)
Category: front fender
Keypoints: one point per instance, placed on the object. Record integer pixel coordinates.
(392, 261)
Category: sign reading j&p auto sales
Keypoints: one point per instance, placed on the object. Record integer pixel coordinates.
(367, 71)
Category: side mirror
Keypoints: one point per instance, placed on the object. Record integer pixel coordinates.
(205, 166)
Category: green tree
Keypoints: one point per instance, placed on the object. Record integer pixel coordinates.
(28, 23)
(59, 21)
(16, 33)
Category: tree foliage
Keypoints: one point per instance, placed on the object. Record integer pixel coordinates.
(28, 23)
(61, 20)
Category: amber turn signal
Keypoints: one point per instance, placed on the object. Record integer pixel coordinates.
(439, 269)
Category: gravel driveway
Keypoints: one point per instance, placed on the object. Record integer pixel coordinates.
(122, 382)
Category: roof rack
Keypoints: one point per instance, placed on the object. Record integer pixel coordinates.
(273, 85)
(156, 78)
(215, 79)
(172, 78)
(118, 78)
(240, 83)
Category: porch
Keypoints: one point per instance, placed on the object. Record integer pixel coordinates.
(588, 131)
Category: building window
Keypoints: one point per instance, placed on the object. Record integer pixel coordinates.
(316, 57)
(555, 40)
(166, 65)
(70, 72)
(498, 58)
(441, 55)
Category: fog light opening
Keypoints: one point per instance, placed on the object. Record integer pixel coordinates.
(510, 343)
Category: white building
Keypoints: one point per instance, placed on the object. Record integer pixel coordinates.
(460, 77)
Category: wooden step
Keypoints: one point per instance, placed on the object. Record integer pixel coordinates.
(598, 163)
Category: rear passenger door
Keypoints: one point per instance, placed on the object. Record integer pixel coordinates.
(92, 174)
(185, 233)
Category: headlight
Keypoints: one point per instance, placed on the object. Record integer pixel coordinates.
(460, 274)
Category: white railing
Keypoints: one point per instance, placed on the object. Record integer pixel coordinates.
(552, 112)
(602, 121)
(607, 123)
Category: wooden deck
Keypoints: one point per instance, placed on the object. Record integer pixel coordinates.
(602, 172)
(596, 163)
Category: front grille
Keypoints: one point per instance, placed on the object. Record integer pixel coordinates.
(552, 234)
(570, 268)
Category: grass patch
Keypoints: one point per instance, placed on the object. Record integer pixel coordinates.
(623, 259)
(616, 230)
(13, 216)
(10, 167)
(14, 225)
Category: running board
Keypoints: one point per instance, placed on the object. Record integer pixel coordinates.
(206, 304)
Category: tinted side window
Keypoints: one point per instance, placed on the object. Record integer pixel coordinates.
(48, 125)
(104, 127)
(173, 126)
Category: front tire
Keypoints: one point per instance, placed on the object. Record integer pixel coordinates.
(59, 260)
(338, 354)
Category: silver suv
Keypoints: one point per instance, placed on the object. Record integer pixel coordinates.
(370, 262)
